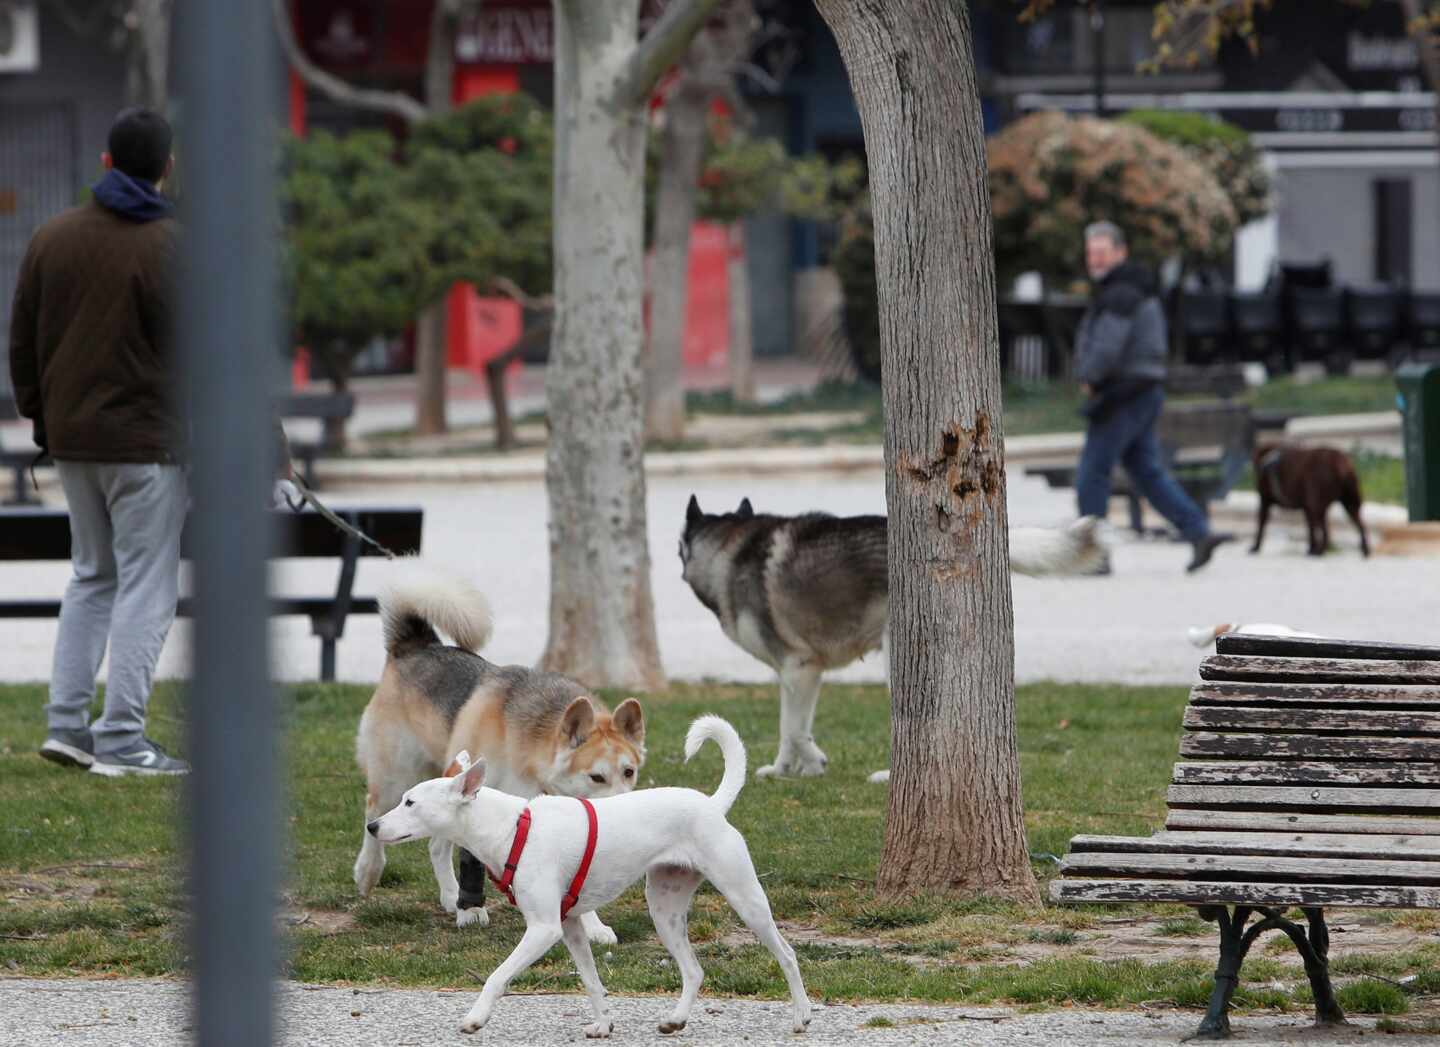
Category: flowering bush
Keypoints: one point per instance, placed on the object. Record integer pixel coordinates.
(1223, 148)
(1052, 174)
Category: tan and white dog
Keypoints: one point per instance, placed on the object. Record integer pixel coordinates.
(675, 838)
(538, 732)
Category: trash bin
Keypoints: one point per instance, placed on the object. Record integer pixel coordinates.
(1420, 411)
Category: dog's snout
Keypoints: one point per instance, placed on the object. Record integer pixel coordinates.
(373, 827)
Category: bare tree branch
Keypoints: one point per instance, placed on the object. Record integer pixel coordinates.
(397, 103)
(662, 47)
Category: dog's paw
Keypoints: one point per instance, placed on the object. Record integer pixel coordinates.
(670, 1025)
(450, 902)
(471, 1026)
(880, 777)
(599, 1030)
(805, 765)
(477, 916)
(601, 934)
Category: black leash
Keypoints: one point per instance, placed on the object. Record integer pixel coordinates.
(307, 495)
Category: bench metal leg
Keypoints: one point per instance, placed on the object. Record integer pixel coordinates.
(1235, 942)
(22, 494)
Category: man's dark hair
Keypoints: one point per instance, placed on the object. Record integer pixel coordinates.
(139, 143)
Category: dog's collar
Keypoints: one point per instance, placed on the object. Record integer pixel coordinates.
(522, 832)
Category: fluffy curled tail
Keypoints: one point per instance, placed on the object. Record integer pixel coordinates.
(730, 745)
(422, 599)
(1076, 549)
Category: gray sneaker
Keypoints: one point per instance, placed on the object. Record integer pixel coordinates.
(69, 748)
(145, 757)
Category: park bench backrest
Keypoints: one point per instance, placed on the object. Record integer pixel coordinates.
(44, 534)
(1312, 736)
(1221, 424)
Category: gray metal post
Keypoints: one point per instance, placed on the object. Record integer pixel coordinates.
(227, 330)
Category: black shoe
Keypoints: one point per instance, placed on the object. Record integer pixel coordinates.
(1205, 548)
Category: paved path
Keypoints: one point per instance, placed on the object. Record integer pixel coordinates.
(1127, 627)
(154, 1014)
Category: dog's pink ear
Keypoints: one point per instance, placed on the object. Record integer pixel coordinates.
(472, 779)
(629, 720)
(578, 721)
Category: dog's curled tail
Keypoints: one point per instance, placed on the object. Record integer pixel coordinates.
(1076, 549)
(730, 745)
(421, 599)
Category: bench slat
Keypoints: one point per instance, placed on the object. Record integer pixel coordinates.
(1306, 798)
(1305, 647)
(1306, 720)
(1317, 694)
(1297, 772)
(1207, 892)
(1318, 670)
(1262, 821)
(1308, 747)
(44, 534)
(1252, 868)
(1316, 845)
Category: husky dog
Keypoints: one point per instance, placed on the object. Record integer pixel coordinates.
(809, 593)
(538, 732)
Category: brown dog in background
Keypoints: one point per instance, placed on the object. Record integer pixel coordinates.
(1309, 479)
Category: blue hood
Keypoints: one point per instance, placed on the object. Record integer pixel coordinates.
(130, 197)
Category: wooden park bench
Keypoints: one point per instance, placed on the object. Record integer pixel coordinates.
(44, 534)
(1309, 777)
(1207, 445)
(321, 406)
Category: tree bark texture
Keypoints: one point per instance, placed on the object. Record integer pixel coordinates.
(742, 343)
(602, 618)
(681, 156)
(955, 820)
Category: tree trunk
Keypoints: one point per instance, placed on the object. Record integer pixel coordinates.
(602, 618)
(954, 820)
(1425, 43)
(147, 64)
(681, 157)
(742, 345)
(432, 341)
(431, 353)
(333, 433)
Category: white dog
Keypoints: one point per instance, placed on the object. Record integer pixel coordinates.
(1205, 635)
(674, 837)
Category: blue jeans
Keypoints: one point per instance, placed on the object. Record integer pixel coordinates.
(1127, 435)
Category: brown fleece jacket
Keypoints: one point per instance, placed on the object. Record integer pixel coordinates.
(90, 338)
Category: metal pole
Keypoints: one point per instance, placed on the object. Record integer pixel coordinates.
(1097, 45)
(226, 338)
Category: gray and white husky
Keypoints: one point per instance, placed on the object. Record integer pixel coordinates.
(808, 593)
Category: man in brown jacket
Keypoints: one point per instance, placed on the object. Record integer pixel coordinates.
(92, 364)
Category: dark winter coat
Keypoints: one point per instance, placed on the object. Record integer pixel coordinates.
(91, 350)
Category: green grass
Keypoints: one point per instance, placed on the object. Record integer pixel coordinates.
(92, 874)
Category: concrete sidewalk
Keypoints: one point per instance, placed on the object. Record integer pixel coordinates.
(41, 1013)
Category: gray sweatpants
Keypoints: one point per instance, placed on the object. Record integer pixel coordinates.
(125, 524)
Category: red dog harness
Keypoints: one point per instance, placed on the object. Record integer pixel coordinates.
(522, 833)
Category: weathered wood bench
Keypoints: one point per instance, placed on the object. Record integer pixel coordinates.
(44, 534)
(1206, 443)
(1309, 777)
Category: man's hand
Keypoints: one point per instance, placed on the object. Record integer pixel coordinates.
(1086, 391)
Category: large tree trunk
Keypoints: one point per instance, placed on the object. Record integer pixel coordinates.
(954, 820)
(742, 344)
(681, 157)
(602, 619)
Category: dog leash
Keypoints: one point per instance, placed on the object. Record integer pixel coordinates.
(308, 496)
(504, 883)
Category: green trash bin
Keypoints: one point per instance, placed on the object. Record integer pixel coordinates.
(1420, 412)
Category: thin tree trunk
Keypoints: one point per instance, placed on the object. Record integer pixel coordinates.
(432, 336)
(742, 346)
(681, 157)
(602, 619)
(954, 820)
(148, 59)
(1425, 43)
